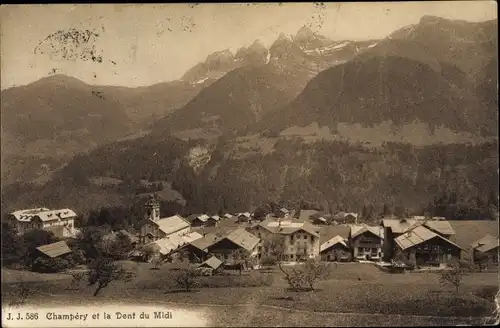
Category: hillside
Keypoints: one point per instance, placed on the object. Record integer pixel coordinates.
(46, 122)
(374, 90)
(331, 174)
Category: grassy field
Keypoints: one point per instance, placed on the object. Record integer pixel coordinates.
(352, 292)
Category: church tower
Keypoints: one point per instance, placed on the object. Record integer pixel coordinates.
(152, 209)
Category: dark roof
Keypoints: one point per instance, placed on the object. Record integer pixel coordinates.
(55, 249)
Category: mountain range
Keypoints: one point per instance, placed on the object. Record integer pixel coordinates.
(395, 120)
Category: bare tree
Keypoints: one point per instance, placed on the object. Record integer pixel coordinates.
(453, 276)
(103, 271)
(301, 276)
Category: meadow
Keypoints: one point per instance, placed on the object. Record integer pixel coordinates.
(353, 292)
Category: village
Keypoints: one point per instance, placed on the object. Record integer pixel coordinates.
(303, 261)
(243, 240)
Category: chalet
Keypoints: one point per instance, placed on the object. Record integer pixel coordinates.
(155, 228)
(62, 220)
(423, 246)
(487, 245)
(335, 249)
(346, 218)
(228, 216)
(198, 220)
(244, 217)
(283, 212)
(299, 239)
(394, 228)
(366, 242)
(320, 220)
(238, 245)
(213, 220)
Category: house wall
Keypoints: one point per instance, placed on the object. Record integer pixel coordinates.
(434, 250)
(332, 253)
(366, 244)
(299, 243)
(228, 252)
(151, 228)
(35, 223)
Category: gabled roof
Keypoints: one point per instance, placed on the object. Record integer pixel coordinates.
(172, 224)
(284, 210)
(212, 262)
(417, 236)
(357, 230)
(55, 249)
(228, 216)
(215, 217)
(245, 214)
(204, 242)
(44, 214)
(288, 226)
(486, 243)
(332, 242)
(243, 238)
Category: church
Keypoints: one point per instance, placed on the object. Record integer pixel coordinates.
(155, 227)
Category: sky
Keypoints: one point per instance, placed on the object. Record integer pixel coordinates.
(144, 44)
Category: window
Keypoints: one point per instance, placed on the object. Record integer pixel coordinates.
(292, 257)
(305, 237)
(291, 238)
(226, 256)
(360, 250)
(312, 239)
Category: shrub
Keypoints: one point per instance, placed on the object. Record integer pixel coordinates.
(50, 265)
(304, 276)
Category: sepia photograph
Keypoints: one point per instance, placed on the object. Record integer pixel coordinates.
(314, 164)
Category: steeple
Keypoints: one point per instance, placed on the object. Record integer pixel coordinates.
(152, 209)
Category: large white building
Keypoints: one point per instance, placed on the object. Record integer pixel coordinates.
(299, 239)
(61, 222)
